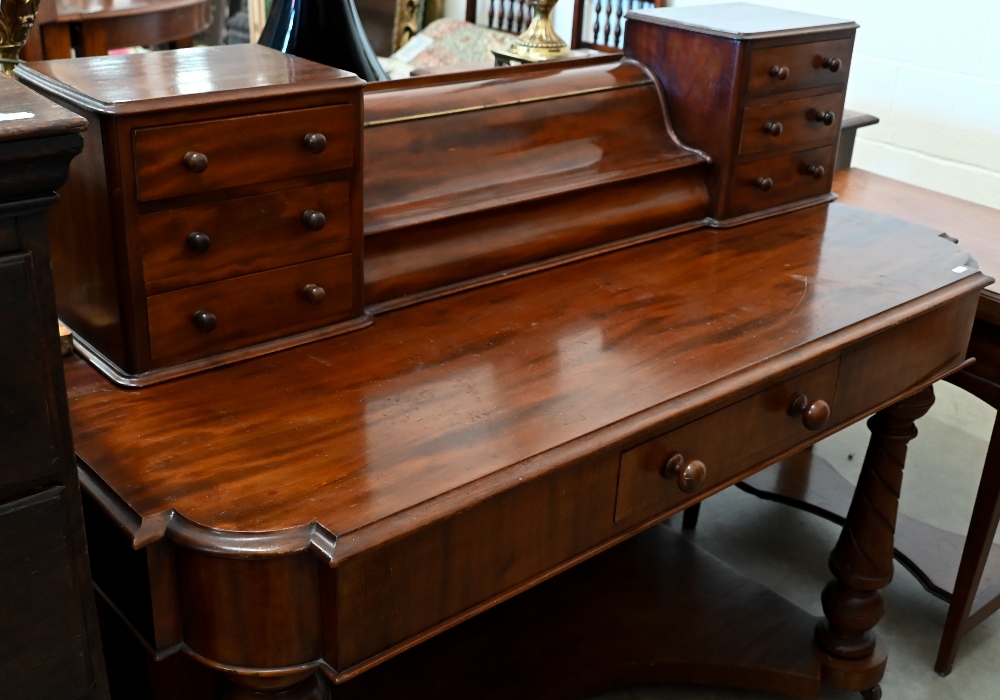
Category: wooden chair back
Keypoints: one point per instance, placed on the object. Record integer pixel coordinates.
(597, 24)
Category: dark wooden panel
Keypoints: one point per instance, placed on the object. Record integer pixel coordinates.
(790, 180)
(242, 150)
(249, 309)
(798, 120)
(43, 636)
(30, 445)
(245, 235)
(804, 63)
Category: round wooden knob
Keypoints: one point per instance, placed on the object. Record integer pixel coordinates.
(832, 64)
(764, 184)
(316, 143)
(690, 475)
(814, 413)
(196, 162)
(826, 117)
(773, 128)
(779, 72)
(199, 242)
(314, 293)
(205, 321)
(817, 171)
(313, 220)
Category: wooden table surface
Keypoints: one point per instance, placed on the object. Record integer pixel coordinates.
(450, 392)
(976, 227)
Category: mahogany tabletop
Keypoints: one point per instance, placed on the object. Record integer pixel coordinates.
(506, 381)
(84, 10)
(976, 227)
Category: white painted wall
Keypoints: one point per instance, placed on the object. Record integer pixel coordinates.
(930, 70)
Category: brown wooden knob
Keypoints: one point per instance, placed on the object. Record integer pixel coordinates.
(779, 72)
(764, 184)
(817, 171)
(196, 162)
(832, 64)
(773, 128)
(313, 220)
(826, 117)
(205, 321)
(316, 143)
(814, 413)
(314, 293)
(199, 242)
(690, 475)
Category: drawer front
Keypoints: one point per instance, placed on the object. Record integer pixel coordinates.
(792, 123)
(802, 66)
(195, 245)
(241, 150)
(248, 309)
(728, 441)
(790, 179)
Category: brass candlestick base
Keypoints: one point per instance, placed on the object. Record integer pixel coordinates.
(16, 18)
(539, 42)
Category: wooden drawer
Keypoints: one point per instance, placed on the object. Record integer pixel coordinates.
(804, 64)
(792, 123)
(248, 309)
(244, 235)
(242, 150)
(790, 180)
(728, 441)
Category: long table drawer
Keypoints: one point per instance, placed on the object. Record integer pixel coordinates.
(724, 442)
(196, 245)
(212, 318)
(171, 161)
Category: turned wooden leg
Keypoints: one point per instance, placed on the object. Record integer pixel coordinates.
(861, 561)
(305, 686)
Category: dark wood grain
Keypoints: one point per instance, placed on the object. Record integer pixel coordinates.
(248, 309)
(804, 63)
(49, 641)
(790, 180)
(799, 125)
(237, 244)
(278, 140)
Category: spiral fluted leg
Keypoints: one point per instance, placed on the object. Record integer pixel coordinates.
(861, 561)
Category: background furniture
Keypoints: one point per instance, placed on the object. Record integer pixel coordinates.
(92, 27)
(954, 568)
(49, 640)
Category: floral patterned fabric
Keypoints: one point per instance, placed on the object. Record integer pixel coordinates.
(446, 42)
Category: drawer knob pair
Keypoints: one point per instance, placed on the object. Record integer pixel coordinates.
(314, 143)
(205, 321)
(314, 220)
(773, 128)
(832, 64)
(814, 413)
(690, 474)
(826, 117)
(817, 171)
(196, 162)
(314, 294)
(764, 184)
(779, 72)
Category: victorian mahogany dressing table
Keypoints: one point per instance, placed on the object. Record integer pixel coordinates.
(585, 321)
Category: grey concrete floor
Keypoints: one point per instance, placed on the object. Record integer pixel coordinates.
(787, 550)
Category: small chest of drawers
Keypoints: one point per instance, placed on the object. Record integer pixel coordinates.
(215, 213)
(760, 90)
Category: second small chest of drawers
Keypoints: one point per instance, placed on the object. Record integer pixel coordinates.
(215, 212)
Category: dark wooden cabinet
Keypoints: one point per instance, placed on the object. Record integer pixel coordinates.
(49, 641)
